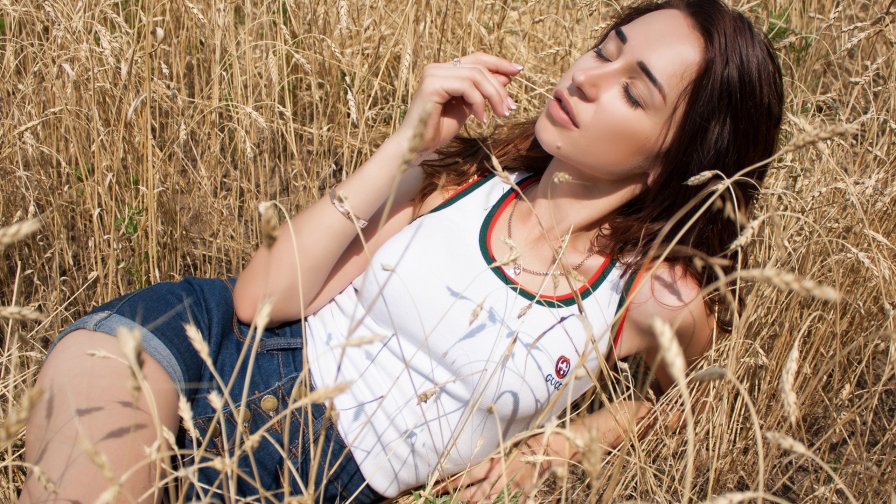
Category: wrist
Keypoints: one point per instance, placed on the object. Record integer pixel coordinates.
(561, 445)
(388, 160)
(549, 448)
(403, 142)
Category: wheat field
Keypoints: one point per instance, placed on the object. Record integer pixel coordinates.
(138, 138)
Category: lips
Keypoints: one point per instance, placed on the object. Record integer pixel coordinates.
(564, 105)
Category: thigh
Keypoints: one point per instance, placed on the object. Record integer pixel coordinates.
(95, 420)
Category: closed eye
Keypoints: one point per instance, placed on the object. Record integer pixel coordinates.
(629, 97)
(600, 53)
(626, 89)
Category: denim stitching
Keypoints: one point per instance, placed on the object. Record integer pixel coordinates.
(280, 364)
(202, 425)
(125, 299)
(277, 343)
(253, 403)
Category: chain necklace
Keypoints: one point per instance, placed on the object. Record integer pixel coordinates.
(519, 268)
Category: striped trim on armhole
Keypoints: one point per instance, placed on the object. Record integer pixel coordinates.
(469, 186)
(630, 284)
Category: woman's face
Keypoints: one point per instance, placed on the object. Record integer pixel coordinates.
(609, 110)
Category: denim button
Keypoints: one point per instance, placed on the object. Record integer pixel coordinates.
(269, 403)
(241, 415)
(214, 430)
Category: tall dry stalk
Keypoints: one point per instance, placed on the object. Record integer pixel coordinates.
(144, 136)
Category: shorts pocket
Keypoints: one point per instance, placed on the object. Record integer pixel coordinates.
(255, 434)
(261, 416)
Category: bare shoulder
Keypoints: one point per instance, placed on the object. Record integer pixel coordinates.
(439, 195)
(668, 291)
(431, 201)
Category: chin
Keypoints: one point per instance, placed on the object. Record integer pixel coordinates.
(546, 134)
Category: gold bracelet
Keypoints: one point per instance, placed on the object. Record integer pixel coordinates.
(341, 205)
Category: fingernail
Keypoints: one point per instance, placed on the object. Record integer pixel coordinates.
(484, 119)
(508, 107)
(519, 68)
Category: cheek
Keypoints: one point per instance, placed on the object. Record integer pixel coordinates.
(617, 139)
(621, 142)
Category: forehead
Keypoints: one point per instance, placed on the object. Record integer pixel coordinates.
(668, 43)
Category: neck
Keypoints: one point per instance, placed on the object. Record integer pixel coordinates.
(579, 204)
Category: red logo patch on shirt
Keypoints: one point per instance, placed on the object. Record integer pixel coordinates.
(562, 367)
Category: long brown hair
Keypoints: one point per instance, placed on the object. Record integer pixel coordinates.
(731, 120)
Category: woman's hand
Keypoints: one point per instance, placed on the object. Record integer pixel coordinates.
(454, 92)
(485, 481)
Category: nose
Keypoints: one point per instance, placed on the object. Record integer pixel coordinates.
(591, 79)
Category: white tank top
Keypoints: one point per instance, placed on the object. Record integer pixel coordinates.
(457, 369)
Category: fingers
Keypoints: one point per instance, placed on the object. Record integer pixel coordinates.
(495, 73)
(492, 63)
(491, 473)
(469, 85)
(493, 91)
(478, 90)
(486, 480)
(473, 476)
(485, 491)
(476, 86)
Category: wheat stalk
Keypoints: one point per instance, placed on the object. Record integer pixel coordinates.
(17, 231)
(14, 420)
(813, 137)
(702, 177)
(270, 223)
(788, 443)
(673, 356)
(131, 342)
(791, 282)
(788, 376)
(734, 497)
(21, 313)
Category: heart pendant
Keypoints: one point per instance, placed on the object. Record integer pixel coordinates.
(517, 269)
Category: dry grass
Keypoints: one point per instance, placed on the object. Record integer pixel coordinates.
(145, 136)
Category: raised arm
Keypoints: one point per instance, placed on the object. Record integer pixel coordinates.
(295, 268)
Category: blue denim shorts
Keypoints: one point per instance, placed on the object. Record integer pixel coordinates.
(293, 441)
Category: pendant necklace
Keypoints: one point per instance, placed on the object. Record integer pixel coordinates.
(519, 268)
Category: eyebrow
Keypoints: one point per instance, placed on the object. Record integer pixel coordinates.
(642, 66)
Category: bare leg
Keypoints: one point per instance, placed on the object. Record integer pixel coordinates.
(88, 399)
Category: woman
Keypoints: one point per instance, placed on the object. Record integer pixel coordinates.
(430, 340)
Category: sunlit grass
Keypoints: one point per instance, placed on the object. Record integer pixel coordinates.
(145, 155)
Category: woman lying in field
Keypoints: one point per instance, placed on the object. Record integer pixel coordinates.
(358, 361)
